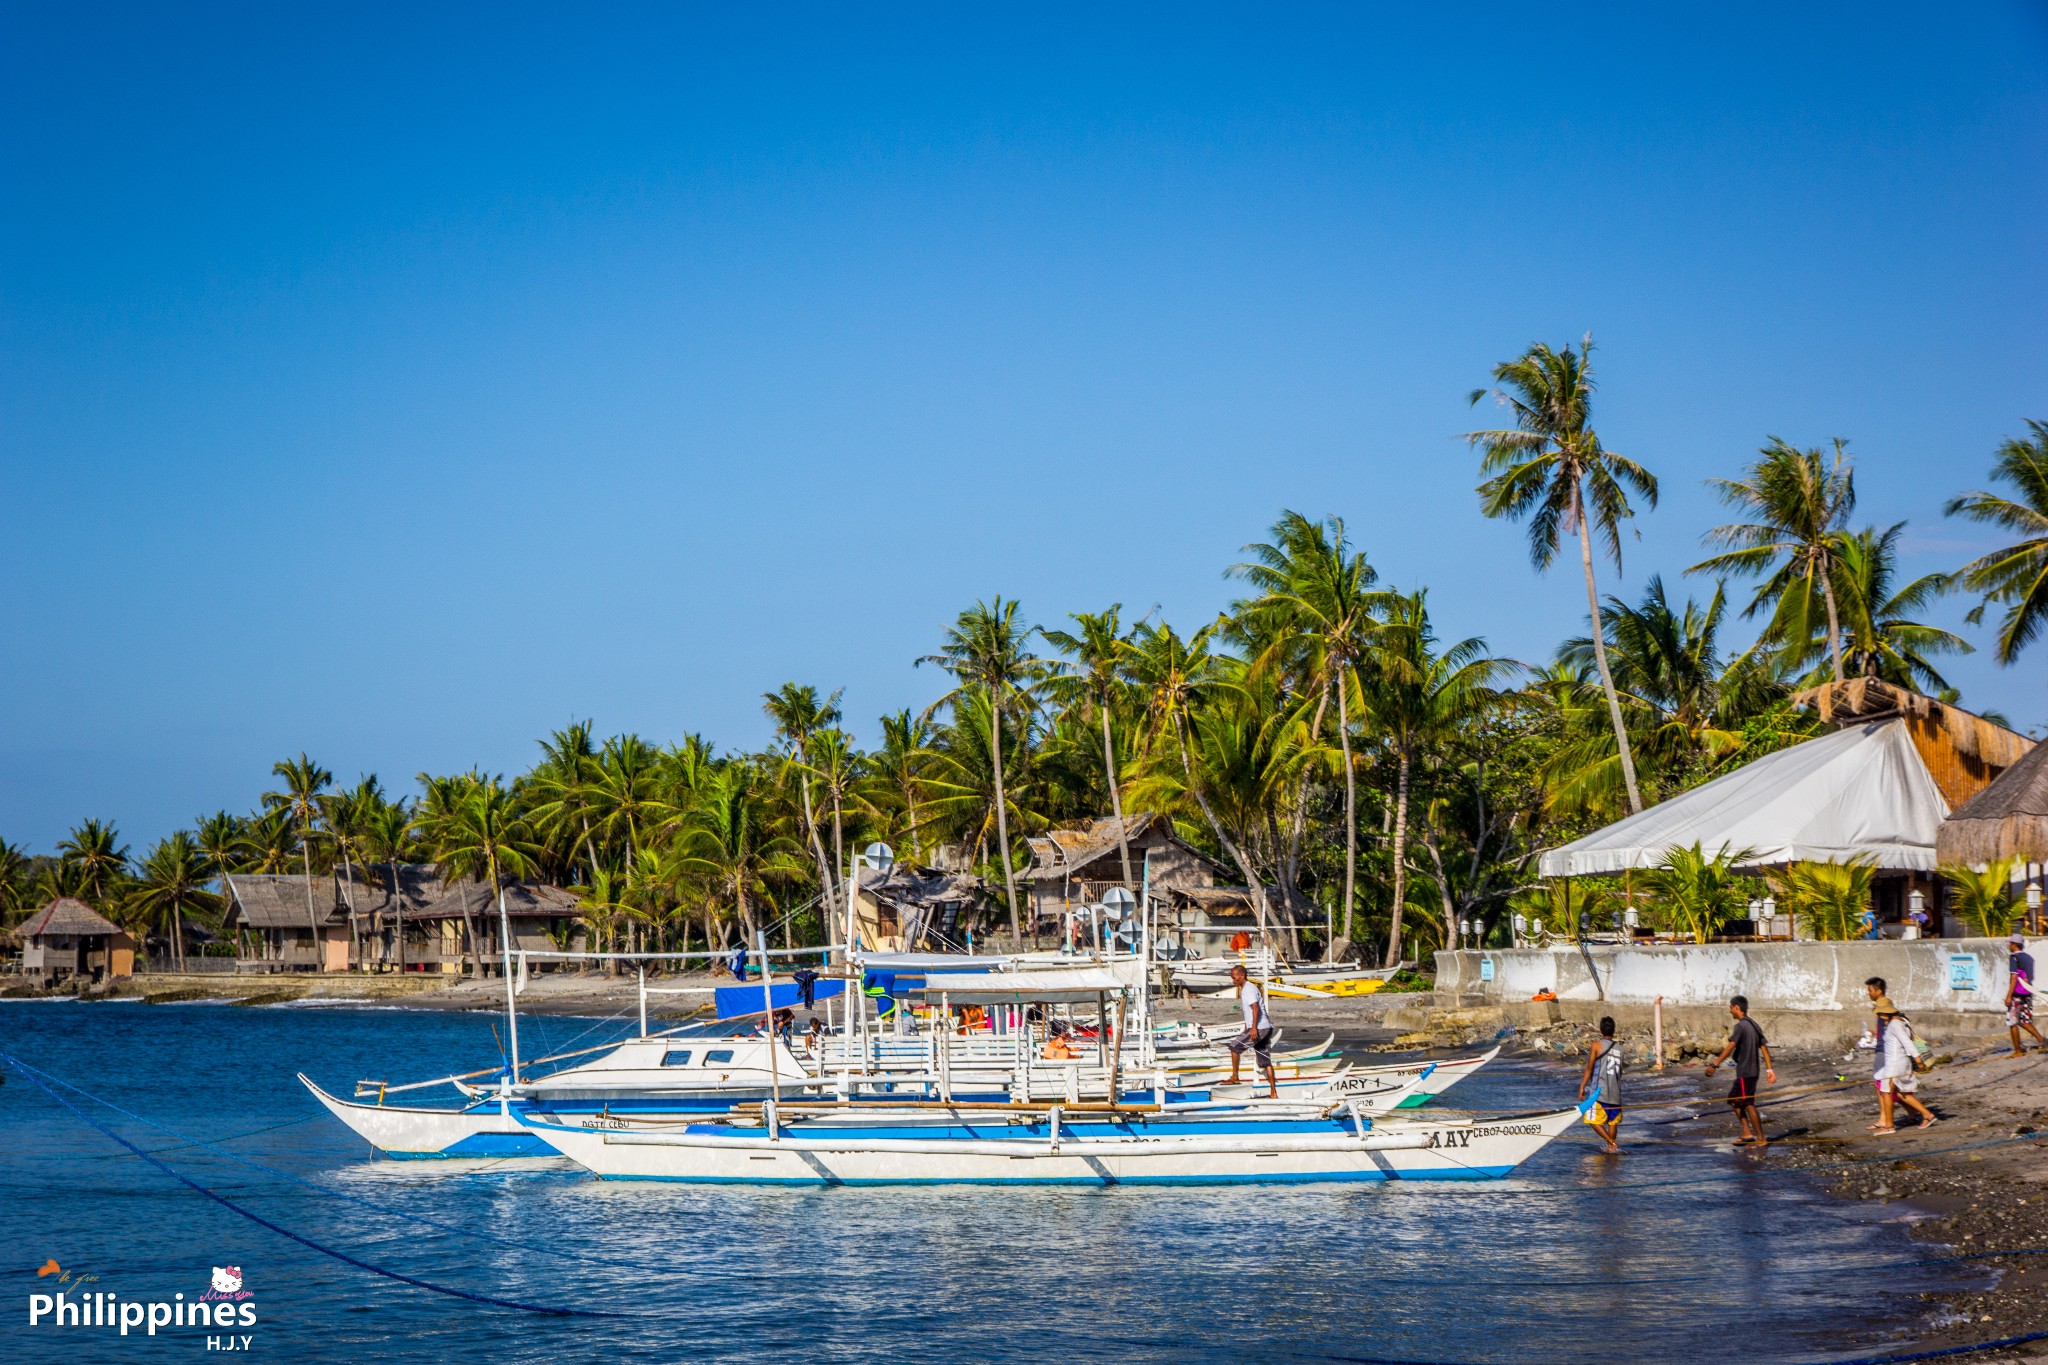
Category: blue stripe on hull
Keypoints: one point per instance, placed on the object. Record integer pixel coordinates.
(486, 1145)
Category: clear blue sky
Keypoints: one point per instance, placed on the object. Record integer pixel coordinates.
(397, 384)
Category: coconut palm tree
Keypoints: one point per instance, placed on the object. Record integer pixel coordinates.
(1800, 502)
(14, 880)
(171, 886)
(961, 781)
(798, 715)
(388, 837)
(345, 815)
(269, 839)
(900, 779)
(1667, 665)
(2015, 576)
(1317, 604)
(836, 767)
(1417, 691)
(304, 780)
(558, 790)
(95, 853)
(223, 840)
(484, 837)
(1551, 467)
(1094, 682)
(1882, 641)
(730, 840)
(625, 798)
(1177, 680)
(988, 647)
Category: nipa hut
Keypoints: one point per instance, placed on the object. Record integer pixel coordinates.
(68, 938)
(2008, 819)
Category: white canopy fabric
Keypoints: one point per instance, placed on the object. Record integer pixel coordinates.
(1860, 792)
(1026, 988)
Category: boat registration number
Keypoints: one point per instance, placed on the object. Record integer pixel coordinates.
(1462, 1137)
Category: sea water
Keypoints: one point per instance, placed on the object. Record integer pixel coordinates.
(1674, 1252)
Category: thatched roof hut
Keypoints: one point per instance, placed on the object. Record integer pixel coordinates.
(68, 916)
(1963, 752)
(2008, 819)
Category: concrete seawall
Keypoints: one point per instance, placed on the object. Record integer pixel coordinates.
(1930, 976)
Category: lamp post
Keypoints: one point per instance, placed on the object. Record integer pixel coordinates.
(2034, 905)
(1771, 910)
(1916, 911)
(1521, 924)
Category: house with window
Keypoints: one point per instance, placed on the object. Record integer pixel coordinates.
(68, 939)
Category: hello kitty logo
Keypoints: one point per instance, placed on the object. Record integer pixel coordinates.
(226, 1283)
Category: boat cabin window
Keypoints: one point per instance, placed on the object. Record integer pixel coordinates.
(681, 1058)
(723, 1054)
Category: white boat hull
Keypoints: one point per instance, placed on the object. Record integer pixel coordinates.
(1397, 1150)
(404, 1131)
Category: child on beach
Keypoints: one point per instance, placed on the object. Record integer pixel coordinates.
(1603, 1068)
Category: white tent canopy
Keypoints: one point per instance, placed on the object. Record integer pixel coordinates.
(1861, 792)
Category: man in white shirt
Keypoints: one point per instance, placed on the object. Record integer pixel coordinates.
(1258, 1030)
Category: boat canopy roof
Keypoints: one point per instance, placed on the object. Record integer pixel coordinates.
(932, 962)
(1024, 988)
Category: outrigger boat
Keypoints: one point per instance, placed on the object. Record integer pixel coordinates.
(672, 1077)
(1094, 1145)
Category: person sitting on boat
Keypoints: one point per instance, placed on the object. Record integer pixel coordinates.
(1258, 1030)
(1058, 1048)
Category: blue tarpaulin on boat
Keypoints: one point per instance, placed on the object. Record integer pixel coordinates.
(734, 1001)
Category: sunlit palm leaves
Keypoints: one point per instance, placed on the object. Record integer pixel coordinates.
(1551, 468)
(1800, 502)
(989, 647)
(2016, 575)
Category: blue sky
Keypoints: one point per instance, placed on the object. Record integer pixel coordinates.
(400, 383)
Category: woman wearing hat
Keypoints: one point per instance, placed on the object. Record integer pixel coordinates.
(1894, 1072)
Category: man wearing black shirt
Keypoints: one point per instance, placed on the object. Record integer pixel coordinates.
(1752, 1055)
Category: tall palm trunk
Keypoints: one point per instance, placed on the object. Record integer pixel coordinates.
(1827, 591)
(1252, 881)
(178, 935)
(476, 956)
(306, 861)
(1350, 802)
(1116, 798)
(1400, 860)
(995, 749)
(830, 897)
(1297, 824)
(1628, 758)
(398, 912)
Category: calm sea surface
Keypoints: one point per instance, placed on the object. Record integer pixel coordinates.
(1578, 1257)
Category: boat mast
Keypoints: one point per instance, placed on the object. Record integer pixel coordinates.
(511, 1008)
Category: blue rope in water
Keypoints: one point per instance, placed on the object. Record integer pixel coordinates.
(260, 1221)
(317, 1188)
